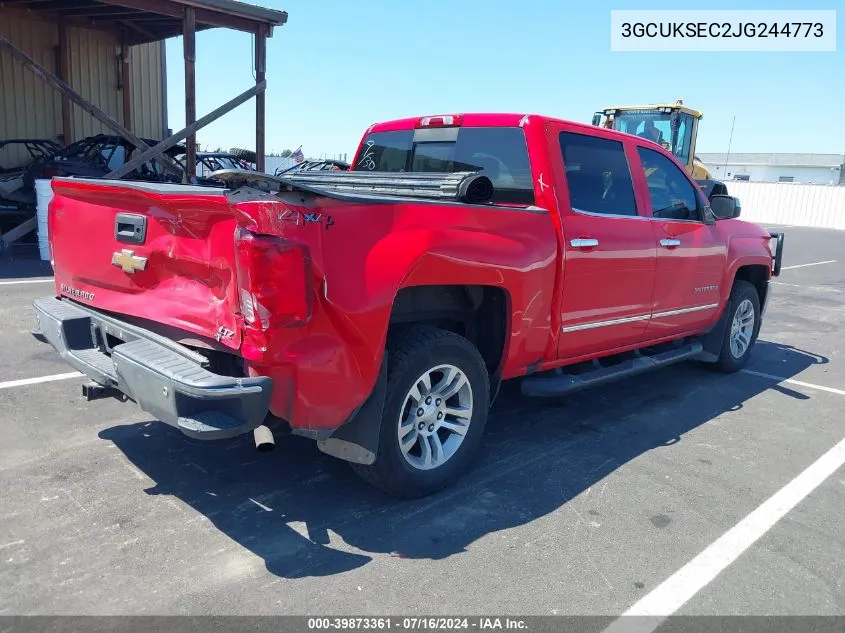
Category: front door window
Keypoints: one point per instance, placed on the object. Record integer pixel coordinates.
(671, 193)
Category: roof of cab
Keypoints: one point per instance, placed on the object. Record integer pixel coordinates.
(653, 106)
(470, 119)
(491, 119)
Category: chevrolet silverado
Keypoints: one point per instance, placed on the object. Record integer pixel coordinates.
(377, 310)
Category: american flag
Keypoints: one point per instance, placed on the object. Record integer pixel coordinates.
(298, 156)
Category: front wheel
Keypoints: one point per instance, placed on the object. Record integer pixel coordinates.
(438, 397)
(744, 319)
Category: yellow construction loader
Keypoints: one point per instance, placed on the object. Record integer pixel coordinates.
(675, 127)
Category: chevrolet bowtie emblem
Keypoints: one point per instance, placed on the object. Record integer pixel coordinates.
(127, 260)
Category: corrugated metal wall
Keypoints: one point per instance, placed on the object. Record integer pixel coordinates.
(93, 74)
(30, 108)
(147, 92)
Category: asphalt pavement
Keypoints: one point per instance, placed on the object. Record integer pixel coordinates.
(583, 507)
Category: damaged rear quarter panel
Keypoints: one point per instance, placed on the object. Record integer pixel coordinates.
(362, 255)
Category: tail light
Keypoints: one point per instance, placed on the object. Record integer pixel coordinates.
(50, 239)
(274, 280)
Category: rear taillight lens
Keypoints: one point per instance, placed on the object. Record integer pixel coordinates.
(274, 280)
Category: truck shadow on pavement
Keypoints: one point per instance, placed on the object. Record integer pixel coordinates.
(306, 514)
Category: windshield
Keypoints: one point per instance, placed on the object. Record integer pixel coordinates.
(657, 126)
(500, 153)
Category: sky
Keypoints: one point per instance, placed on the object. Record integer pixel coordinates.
(338, 66)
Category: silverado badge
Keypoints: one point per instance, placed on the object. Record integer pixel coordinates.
(128, 261)
(706, 289)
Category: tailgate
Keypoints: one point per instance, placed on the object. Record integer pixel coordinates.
(153, 251)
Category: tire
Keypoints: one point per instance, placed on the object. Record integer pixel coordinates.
(415, 353)
(743, 295)
(244, 154)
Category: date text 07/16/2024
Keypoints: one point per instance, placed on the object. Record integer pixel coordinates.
(416, 624)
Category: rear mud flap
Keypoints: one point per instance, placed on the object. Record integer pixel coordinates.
(357, 440)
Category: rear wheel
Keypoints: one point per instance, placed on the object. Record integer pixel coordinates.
(744, 319)
(438, 396)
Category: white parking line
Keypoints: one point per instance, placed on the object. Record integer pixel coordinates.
(34, 381)
(669, 596)
(830, 261)
(261, 505)
(792, 381)
(676, 590)
(16, 282)
(814, 288)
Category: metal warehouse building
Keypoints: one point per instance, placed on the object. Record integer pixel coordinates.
(92, 61)
(816, 169)
(110, 54)
(71, 69)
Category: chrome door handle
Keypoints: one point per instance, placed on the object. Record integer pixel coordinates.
(667, 243)
(583, 243)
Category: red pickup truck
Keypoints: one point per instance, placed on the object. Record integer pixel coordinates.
(377, 310)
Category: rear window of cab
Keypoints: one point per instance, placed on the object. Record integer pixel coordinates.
(501, 153)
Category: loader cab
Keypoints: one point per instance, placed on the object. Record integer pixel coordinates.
(676, 129)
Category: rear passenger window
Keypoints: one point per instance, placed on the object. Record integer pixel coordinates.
(597, 175)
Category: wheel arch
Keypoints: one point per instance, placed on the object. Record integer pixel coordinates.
(758, 275)
(478, 312)
(755, 273)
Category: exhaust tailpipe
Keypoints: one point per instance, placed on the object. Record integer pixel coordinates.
(264, 441)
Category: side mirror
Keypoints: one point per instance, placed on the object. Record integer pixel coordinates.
(597, 118)
(725, 207)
